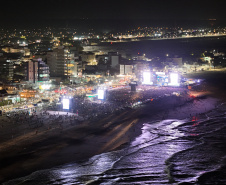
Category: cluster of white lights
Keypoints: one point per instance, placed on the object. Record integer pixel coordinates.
(174, 79)
(147, 78)
(66, 102)
(100, 93)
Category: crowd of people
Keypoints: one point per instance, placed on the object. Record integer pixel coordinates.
(21, 123)
(82, 108)
(118, 99)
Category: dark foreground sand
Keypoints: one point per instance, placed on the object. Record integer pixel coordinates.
(31, 152)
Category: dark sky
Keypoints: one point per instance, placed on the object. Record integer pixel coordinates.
(124, 9)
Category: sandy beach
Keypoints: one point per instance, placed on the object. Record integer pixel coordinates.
(33, 151)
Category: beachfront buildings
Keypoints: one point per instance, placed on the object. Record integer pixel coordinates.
(88, 57)
(6, 68)
(36, 71)
(61, 62)
(126, 69)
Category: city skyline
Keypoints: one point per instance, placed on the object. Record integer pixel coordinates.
(112, 92)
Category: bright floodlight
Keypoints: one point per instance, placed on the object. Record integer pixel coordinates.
(65, 103)
(147, 78)
(45, 86)
(100, 93)
(174, 79)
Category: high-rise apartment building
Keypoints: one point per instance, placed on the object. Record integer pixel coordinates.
(61, 62)
(36, 71)
(31, 71)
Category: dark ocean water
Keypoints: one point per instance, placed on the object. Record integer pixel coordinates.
(186, 47)
(171, 151)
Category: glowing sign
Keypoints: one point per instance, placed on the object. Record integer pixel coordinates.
(45, 86)
(174, 79)
(160, 73)
(147, 78)
(66, 103)
(100, 93)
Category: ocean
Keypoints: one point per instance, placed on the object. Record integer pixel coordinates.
(187, 48)
(170, 151)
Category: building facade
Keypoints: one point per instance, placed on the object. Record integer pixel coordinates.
(36, 71)
(6, 68)
(61, 62)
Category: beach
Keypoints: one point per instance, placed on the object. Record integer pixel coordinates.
(78, 142)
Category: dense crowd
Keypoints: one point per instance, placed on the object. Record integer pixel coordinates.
(119, 99)
(82, 108)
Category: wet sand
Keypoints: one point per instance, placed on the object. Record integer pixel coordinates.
(23, 156)
(31, 152)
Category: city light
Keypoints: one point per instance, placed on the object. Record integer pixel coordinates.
(100, 93)
(66, 103)
(45, 86)
(147, 78)
(174, 79)
(112, 95)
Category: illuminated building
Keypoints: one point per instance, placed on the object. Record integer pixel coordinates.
(36, 70)
(12, 49)
(7, 61)
(102, 59)
(43, 71)
(11, 89)
(114, 59)
(28, 94)
(126, 69)
(6, 68)
(31, 71)
(61, 62)
(89, 57)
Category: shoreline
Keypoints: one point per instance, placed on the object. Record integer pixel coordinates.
(136, 39)
(82, 141)
(59, 145)
(88, 142)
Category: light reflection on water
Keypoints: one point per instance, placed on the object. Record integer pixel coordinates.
(168, 151)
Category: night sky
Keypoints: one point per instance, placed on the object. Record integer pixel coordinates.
(124, 9)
